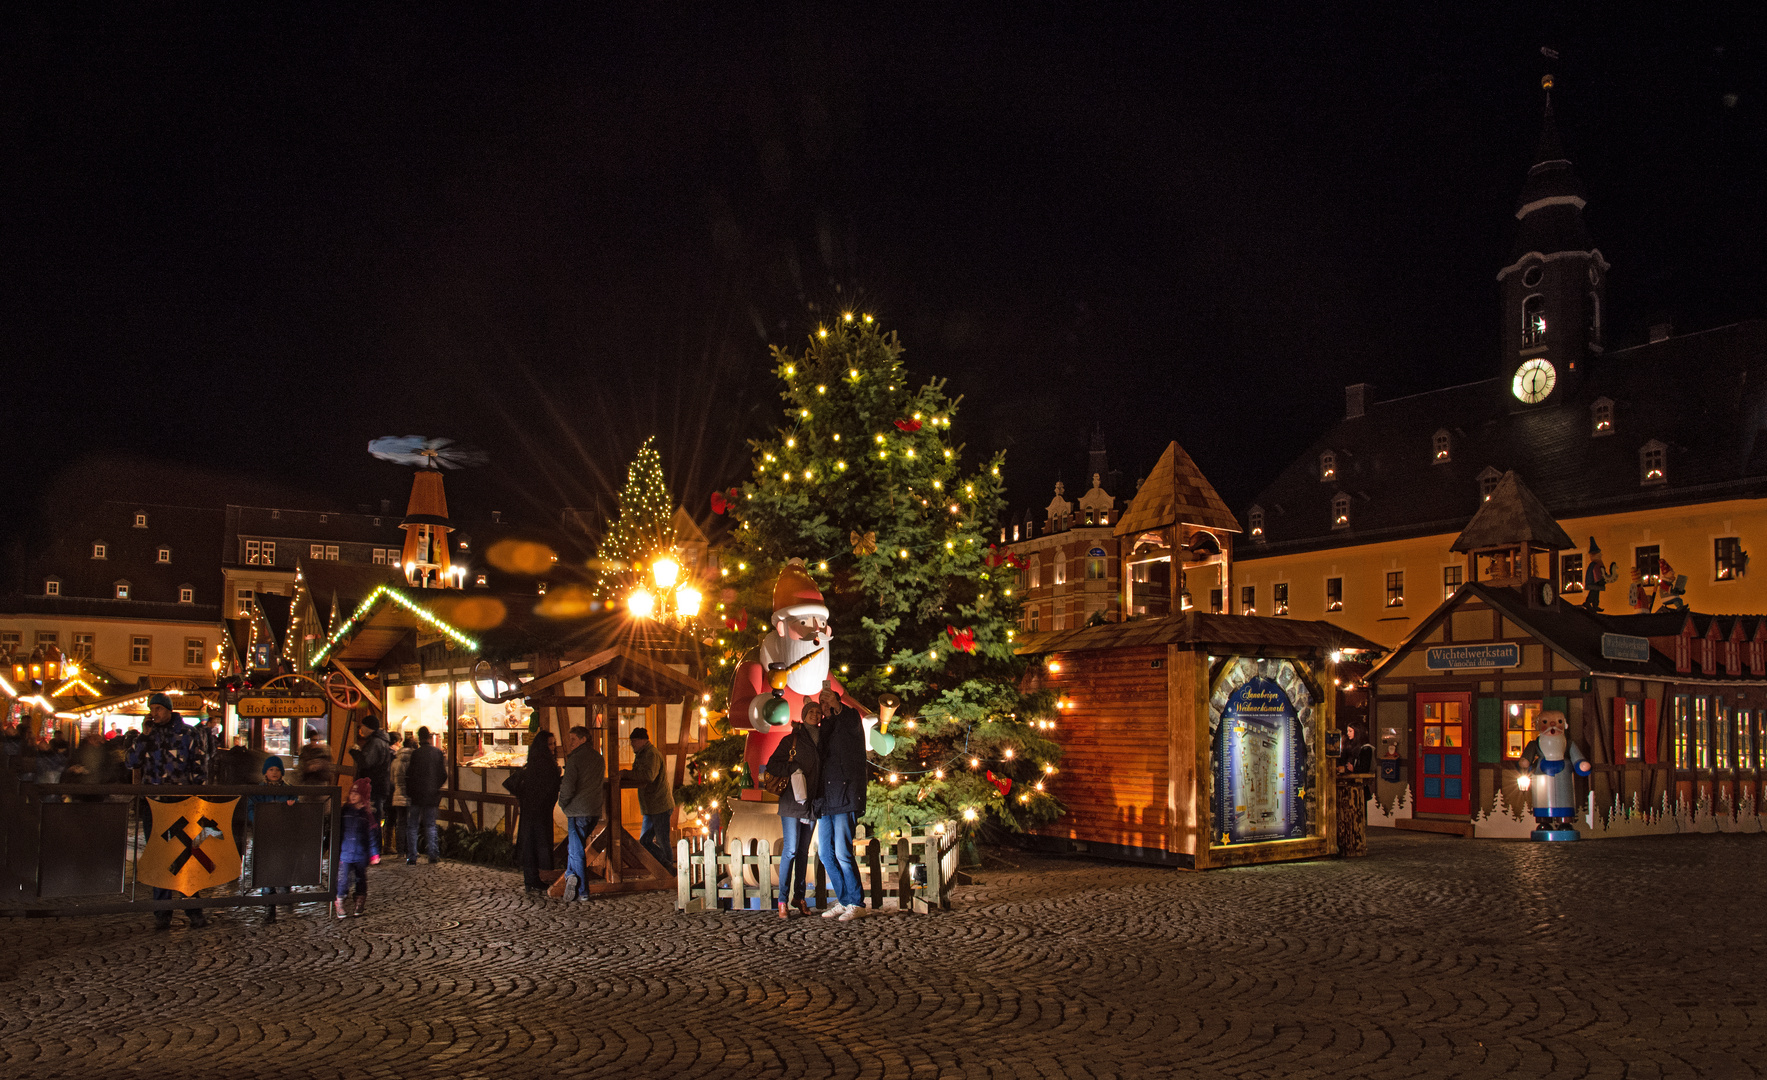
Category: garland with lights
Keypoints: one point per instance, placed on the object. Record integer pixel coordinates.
(366, 608)
(865, 482)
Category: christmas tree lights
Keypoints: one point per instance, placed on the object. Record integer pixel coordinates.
(644, 528)
(921, 605)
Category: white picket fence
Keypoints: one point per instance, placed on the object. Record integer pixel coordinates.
(907, 872)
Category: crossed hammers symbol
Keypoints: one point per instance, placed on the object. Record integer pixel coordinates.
(192, 848)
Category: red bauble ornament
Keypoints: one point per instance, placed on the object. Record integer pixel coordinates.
(910, 426)
(1004, 783)
(962, 640)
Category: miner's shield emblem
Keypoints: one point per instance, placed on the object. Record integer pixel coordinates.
(190, 845)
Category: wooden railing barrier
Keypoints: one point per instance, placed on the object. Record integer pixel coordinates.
(908, 872)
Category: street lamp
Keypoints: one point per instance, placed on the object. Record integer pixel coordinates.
(667, 598)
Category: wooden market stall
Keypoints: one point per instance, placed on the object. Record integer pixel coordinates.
(1196, 739)
(484, 671)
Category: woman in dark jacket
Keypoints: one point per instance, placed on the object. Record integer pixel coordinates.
(539, 791)
(797, 760)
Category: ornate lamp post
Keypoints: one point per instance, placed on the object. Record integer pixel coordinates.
(671, 600)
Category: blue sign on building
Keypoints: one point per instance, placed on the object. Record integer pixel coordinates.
(1097, 553)
(1625, 647)
(1458, 657)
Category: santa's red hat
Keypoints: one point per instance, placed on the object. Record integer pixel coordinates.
(796, 594)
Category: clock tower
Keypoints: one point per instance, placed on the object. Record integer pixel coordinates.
(1555, 286)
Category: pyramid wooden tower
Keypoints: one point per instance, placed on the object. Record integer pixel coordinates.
(425, 560)
(1175, 542)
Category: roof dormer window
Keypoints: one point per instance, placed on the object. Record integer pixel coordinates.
(1441, 446)
(100, 550)
(140, 520)
(1653, 467)
(122, 588)
(1328, 467)
(52, 587)
(1488, 480)
(186, 594)
(165, 555)
(1255, 522)
(1601, 416)
(1340, 511)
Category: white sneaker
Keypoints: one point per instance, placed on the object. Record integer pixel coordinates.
(835, 911)
(857, 911)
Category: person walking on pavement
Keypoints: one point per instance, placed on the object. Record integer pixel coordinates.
(315, 765)
(168, 752)
(796, 760)
(401, 801)
(845, 737)
(360, 846)
(580, 792)
(373, 758)
(425, 777)
(538, 792)
(654, 800)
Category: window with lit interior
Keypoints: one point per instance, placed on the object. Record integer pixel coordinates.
(1328, 467)
(1279, 598)
(1520, 719)
(1395, 588)
(1451, 578)
(1570, 573)
(1255, 521)
(1334, 594)
(1728, 557)
(1601, 416)
(1340, 511)
(1441, 446)
(1652, 463)
(1534, 320)
(1248, 599)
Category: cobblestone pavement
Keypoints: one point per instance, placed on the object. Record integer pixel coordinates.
(1434, 957)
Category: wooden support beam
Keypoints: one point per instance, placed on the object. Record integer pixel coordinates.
(367, 694)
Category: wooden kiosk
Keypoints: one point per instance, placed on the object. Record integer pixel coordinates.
(1196, 740)
(1192, 736)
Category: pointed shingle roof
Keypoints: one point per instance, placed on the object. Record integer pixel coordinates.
(1176, 491)
(1512, 515)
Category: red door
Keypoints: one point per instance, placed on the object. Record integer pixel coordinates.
(1444, 759)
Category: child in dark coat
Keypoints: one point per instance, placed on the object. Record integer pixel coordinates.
(359, 843)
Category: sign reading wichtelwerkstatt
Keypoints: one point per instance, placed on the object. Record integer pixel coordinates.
(256, 705)
(1457, 657)
(1625, 647)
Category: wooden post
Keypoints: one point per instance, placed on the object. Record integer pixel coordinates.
(904, 873)
(616, 824)
(764, 873)
(875, 872)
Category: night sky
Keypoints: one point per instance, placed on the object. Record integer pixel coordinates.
(253, 240)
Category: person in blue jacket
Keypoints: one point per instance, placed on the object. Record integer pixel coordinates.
(272, 778)
(359, 843)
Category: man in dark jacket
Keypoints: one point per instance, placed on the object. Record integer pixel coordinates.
(846, 734)
(373, 757)
(168, 752)
(424, 779)
(580, 792)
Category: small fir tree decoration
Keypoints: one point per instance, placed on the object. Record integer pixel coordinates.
(863, 482)
(645, 526)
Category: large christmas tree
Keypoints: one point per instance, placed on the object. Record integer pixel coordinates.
(863, 483)
(645, 526)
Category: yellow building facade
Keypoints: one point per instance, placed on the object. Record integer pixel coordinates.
(1372, 603)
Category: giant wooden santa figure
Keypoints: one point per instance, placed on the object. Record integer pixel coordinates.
(794, 654)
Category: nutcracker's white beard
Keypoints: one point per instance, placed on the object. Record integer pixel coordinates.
(1552, 747)
(776, 648)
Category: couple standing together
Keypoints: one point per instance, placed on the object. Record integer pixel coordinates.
(822, 761)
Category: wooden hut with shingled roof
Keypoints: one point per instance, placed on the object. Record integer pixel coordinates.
(1175, 542)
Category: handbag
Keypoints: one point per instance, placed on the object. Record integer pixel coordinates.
(774, 784)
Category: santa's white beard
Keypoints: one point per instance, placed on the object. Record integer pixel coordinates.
(776, 648)
(1552, 747)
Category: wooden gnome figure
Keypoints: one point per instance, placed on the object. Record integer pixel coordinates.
(794, 654)
(1553, 760)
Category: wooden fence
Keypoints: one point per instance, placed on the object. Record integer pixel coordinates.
(908, 872)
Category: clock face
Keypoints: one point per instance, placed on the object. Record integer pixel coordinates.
(1533, 381)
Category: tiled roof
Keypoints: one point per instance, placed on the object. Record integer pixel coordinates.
(1512, 515)
(1703, 395)
(1176, 491)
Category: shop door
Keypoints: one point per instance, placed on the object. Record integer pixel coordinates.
(1444, 760)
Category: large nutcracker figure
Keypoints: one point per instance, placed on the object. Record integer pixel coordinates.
(795, 654)
(1553, 761)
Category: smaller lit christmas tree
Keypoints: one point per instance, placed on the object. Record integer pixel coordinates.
(645, 526)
